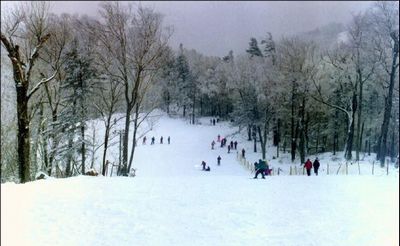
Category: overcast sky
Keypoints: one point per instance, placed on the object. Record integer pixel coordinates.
(214, 28)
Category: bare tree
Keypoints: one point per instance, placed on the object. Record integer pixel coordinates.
(137, 43)
(24, 37)
(385, 26)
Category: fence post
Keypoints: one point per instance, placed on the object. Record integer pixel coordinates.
(387, 167)
(373, 165)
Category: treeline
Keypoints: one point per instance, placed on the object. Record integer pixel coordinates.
(307, 98)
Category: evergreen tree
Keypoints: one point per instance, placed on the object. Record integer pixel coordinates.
(76, 90)
(253, 49)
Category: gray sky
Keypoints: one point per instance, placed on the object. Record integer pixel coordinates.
(214, 28)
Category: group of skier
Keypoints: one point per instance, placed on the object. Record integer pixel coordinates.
(153, 139)
(309, 165)
(212, 121)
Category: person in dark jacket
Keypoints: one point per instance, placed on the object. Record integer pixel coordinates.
(144, 140)
(212, 144)
(308, 166)
(260, 168)
(152, 140)
(235, 143)
(316, 166)
(231, 144)
(169, 140)
(161, 140)
(219, 160)
(229, 149)
(203, 163)
(243, 152)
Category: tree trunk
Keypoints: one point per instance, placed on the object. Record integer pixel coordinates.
(23, 136)
(124, 164)
(106, 137)
(83, 148)
(249, 132)
(350, 134)
(135, 128)
(388, 106)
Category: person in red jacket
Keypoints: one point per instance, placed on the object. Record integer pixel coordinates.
(308, 166)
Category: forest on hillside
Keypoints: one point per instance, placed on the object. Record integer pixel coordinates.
(332, 89)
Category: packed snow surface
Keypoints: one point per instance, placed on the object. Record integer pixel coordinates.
(172, 202)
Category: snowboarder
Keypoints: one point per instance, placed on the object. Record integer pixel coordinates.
(231, 144)
(144, 140)
(308, 166)
(243, 152)
(219, 138)
(235, 143)
(219, 160)
(260, 167)
(229, 149)
(153, 139)
(316, 166)
(212, 144)
(169, 140)
(161, 140)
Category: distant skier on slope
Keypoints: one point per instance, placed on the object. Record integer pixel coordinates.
(219, 160)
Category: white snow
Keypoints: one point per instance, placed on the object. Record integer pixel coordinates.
(172, 202)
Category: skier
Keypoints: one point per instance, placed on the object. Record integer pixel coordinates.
(219, 160)
(153, 139)
(243, 152)
(219, 138)
(235, 143)
(169, 140)
(231, 144)
(308, 166)
(161, 140)
(212, 144)
(144, 140)
(260, 168)
(203, 163)
(316, 166)
(229, 149)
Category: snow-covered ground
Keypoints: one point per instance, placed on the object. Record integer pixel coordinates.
(172, 202)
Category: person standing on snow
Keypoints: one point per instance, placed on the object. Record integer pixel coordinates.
(144, 140)
(161, 140)
(203, 163)
(169, 140)
(308, 166)
(212, 144)
(316, 166)
(243, 152)
(153, 139)
(219, 160)
(235, 143)
(229, 149)
(260, 168)
(219, 138)
(231, 144)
